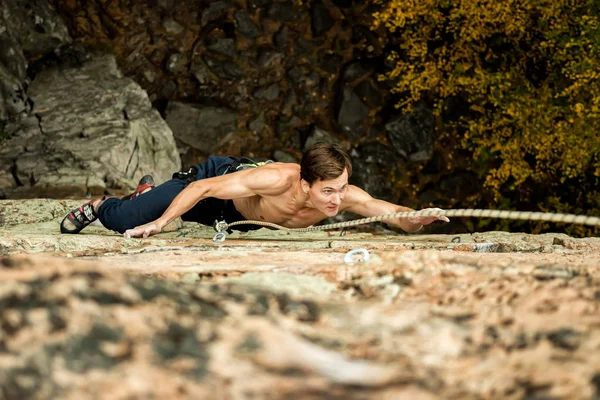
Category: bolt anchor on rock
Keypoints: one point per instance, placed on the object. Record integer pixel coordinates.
(350, 259)
(219, 237)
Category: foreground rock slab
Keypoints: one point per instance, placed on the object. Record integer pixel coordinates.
(278, 315)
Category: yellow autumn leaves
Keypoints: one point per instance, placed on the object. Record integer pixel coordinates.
(528, 70)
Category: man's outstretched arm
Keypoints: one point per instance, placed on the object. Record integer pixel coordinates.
(360, 202)
(265, 180)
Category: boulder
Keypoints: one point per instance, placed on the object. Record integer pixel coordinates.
(321, 20)
(375, 160)
(413, 135)
(245, 26)
(318, 135)
(200, 127)
(91, 130)
(353, 114)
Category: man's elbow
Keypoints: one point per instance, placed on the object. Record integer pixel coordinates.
(199, 189)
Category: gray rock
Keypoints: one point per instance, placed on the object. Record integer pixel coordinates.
(167, 4)
(214, 11)
(89, 124)
(201, 72)
(245, 26)
(285, 157)
(224, 46)
(150, 75)
(353, 71)
(36, 26)
(270, 92)
(269, 59)
(282, 12)
(369, 93)
(168, 89)
(302, 47)
(332, 63)
(298, 73)
(258, 123)
(201, 127)
(321, 20)
(190, 278)
(364, 176)
(290, 101)
(173, 27)
(376, 153)
(260, 3)
(318, 135)
(285, 125)
(292, 284)
(223, 69)
(176, 62)
(12, 59)
(353, 114)
(280, 38)
(27, 30)
(413, 135)
(13, 99)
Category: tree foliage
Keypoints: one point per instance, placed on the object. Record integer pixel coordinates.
(528, 74)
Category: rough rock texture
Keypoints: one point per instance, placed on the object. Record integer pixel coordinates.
(278, 315)
(280, 69)
(91, 130)
(202, 128)
(28, 30)
(261, 78)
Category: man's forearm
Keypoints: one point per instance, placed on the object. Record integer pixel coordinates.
(410, 227)
(404, 223)
(184, 202)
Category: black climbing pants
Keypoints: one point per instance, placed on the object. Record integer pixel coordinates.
(120, 215)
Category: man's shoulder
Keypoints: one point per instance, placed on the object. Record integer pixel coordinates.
(283, 170)
(278, 177)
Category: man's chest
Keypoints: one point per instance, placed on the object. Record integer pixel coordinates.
(282, 211)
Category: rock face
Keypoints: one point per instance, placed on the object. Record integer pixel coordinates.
(281, 315)
(200, 127)
(253, 78)
(28, 30)
(263, 79)
(90, 130)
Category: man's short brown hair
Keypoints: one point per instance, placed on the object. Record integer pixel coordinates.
(324, 161)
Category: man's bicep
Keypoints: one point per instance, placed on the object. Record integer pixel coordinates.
(244, 184)
(373, 207)
(362, 203)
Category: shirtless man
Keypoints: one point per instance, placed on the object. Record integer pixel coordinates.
(291, 195)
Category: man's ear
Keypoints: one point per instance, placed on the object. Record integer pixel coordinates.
(305, 186)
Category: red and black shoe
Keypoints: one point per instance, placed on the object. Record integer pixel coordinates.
(79, 219)
(146, 182)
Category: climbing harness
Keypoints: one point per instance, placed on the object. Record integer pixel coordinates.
(240, 164)
(222, 226)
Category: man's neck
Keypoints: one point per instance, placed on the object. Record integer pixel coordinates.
(301, 199)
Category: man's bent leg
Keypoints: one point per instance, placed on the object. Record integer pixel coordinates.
(120, 215)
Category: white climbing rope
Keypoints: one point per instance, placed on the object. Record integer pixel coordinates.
(478, 213)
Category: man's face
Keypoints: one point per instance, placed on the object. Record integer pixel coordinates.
(326, 196)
